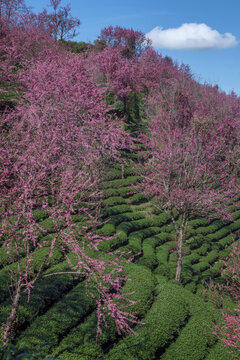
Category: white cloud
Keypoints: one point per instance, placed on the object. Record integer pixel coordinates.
(190, 36)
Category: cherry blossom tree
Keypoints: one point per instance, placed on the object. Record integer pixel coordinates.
(187, 167)
(131, 42)
(10, 8)
(50, 146)
(228, 329)
(61, 23)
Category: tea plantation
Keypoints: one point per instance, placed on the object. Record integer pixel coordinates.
(174, 320)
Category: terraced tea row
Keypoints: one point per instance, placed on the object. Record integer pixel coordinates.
(174, 320)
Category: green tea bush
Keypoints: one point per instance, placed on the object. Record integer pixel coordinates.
(201, 266)
(161, 238)
(223, 254)
(141, 285)
(195, 223)
(126, 226)
(211, 257)
(123, 191)
(191, 286)
(225, 242)
(163, 270)
(164, 320)
(149, 258)
(47, 224)
(162, 252)
(202, 251)
(39, 255)
(106, 229)
(136, 237)
(13, 352)
(80, 342)
(223, 232)
(120, 239)
(214, 226)
(137, 198)
(235, 225)
(193, 258)
(47, 291)
(115, 210)
(39, 214)
(187, 273)
(120, 182)
(236, 215)
(161, 219)
(215, 270)
(194, 339)
(6, 259)
(135, 241)
(114, 200)
(129, 216)
(117, 173)
(219, 352)
(57, 320)
(196, 241)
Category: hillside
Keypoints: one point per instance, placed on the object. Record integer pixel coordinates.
(119, 201)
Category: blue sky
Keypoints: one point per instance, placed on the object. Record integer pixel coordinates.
(212, 54)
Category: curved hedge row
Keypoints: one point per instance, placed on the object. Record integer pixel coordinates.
(47, 291)
(81, 339)
(59, 319)
(195, 338)
(164, 320)
(39, 256)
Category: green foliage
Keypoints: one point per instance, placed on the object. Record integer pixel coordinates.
(164, 320)
(121, 182)
(195, 338)
(116, 173)
(218, 352)
(74, 46)
(202, 251)
(137, 198)
(38, 258)
(201, 266)
(141, 283)
(193, 258)
(81, 339)
(39, 214)
(106, 229)
(47, 224)
(212, 257)
(47, 291)
(126, 217)
(114, 200)
(115, 210)
(60, 318)
(13, 352)
(149, 258)
(123, 191)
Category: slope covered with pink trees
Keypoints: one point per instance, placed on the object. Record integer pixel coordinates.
(69, 123)
(189, 165)
(52, 144)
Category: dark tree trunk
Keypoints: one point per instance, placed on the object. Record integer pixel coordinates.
(180, 233)
(179, 256)
(9, 326)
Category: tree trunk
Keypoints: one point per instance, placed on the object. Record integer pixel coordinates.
(122, 170)
(9, 326)
(180, 233)
(179, 256)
